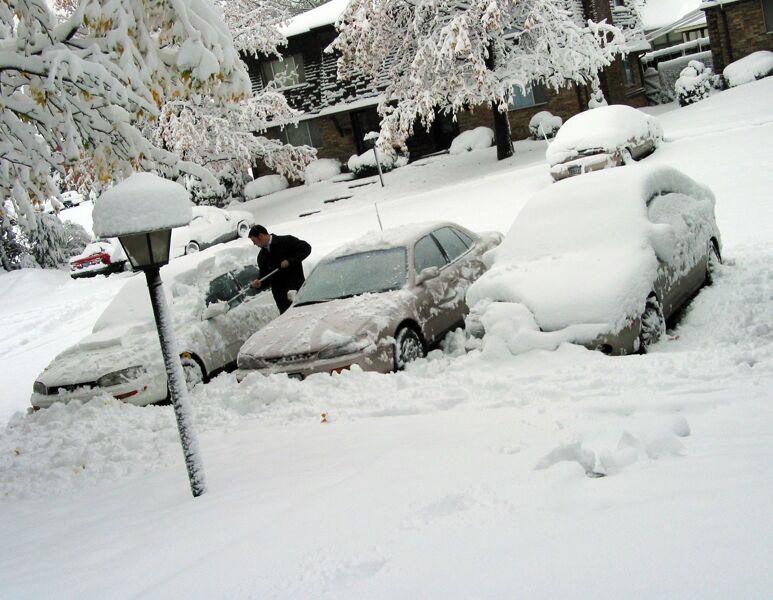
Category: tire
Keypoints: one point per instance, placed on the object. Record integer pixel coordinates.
(242, 229)
(408, 347)
(713, 260)
(653, 325)
(192, 248)
(194, 373)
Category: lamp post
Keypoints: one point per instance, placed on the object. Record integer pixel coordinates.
(370, 139)
(141, 211)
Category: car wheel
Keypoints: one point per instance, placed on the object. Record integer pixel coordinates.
(627, 156)
(653, 325)
(242, 229)
(192, 248)
(713, 260)
(408, 347)
(194, 374)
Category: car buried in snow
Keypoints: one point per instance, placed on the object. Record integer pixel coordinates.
(607, 136)
(210, 226)
(601, 260)
(101, 257)
(213, 310)
(378, 303)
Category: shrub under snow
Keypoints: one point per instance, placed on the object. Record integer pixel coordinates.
(472, 139)
(364, 165)
(750, 68)
(544, 124)
(321, 170)
(263, 186)
(694, 83)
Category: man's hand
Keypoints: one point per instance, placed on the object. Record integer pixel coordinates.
(284, 264)
(255, 284)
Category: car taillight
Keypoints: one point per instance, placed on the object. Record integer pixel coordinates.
(104, 257)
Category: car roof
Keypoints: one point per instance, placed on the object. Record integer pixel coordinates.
(394, 237)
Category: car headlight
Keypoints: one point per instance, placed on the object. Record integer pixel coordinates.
(40, 388)
(350, 346)
(119, 377)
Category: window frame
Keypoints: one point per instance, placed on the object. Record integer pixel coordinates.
(268, 66)
(454, 232)
(442, 252)
(516, 93)
(767, 15)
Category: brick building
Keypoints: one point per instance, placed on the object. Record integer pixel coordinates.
(336, 115)
(738, 28)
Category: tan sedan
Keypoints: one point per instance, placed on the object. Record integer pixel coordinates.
(377, 303)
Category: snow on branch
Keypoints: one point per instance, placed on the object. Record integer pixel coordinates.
(449, 55)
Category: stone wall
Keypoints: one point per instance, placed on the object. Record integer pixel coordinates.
(737, 32)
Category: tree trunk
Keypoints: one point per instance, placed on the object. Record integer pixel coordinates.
(502, 134)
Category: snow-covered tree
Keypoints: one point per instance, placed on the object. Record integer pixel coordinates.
(75, 90)
(450, 55)
(225, 137)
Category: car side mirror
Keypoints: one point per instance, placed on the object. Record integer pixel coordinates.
(291, 295)
(213, 310)
(427, 274)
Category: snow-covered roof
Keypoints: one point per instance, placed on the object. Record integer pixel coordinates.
(713, 3)
(388, 238)
(327, 14)
(141, 202)
(656, 14)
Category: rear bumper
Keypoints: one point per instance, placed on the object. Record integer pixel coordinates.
(380, 360)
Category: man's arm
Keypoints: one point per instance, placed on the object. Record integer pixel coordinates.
(296, 250)
(262, 272)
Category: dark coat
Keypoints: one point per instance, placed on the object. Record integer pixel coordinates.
(283, 247)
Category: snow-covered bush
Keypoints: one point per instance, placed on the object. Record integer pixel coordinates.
(669, 71)
(77, 238)
(749, 68)
(263, 186)
(694, 83)
(472, 139)
(321, 170)
(364, 165)
(48, 242)
(544, 124)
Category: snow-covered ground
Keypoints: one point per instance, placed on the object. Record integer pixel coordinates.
(468, 475)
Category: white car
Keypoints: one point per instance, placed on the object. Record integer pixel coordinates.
(101, 257)
(213, 308)
(600, 260)
(71, 198)
(210, 226)
(607, 136)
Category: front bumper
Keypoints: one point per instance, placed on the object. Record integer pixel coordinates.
(585, 164)
(381, 359)
(140, 393)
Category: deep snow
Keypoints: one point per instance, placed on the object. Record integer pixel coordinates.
(468, 475)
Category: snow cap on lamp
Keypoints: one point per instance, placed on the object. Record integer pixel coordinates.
(142, 202)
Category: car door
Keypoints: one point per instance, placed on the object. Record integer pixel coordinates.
(463, 268)
(221, 331)
(430, 293)
(223, 229)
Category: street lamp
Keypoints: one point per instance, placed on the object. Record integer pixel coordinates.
(141, 211)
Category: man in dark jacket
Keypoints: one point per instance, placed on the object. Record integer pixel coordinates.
(282, 252)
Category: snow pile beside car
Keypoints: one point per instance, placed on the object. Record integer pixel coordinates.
(750, 68)
(321, 170)
(581, 257)
(544, 124)
(263, 186)
(473, 139)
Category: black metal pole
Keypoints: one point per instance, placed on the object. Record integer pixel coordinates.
(176, 378)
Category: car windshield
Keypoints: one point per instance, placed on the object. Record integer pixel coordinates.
(355, 274)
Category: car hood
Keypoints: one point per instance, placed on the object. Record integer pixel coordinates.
(102, 353)
(309, 328)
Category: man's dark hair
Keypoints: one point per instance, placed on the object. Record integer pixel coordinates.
(256, 230)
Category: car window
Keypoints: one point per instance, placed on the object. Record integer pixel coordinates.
(452, 244)
(468, 241)
(222, 289)
(426, 253)
(247, 275)
(354, 274)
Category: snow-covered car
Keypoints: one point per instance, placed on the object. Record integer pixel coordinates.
(600, 260)
(608, 136)
(210, 226)
(378, 302)
(71, 198)
(101, 257)
(213, 311)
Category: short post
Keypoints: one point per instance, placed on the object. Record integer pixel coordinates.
(142, 211)
(378, 166)
(370, 138)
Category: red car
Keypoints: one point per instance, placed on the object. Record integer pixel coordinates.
(98, 258)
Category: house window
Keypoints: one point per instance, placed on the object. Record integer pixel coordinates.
(533, 94)
(628, 78)
(305, 133)
(286, 72)
(767, 11)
